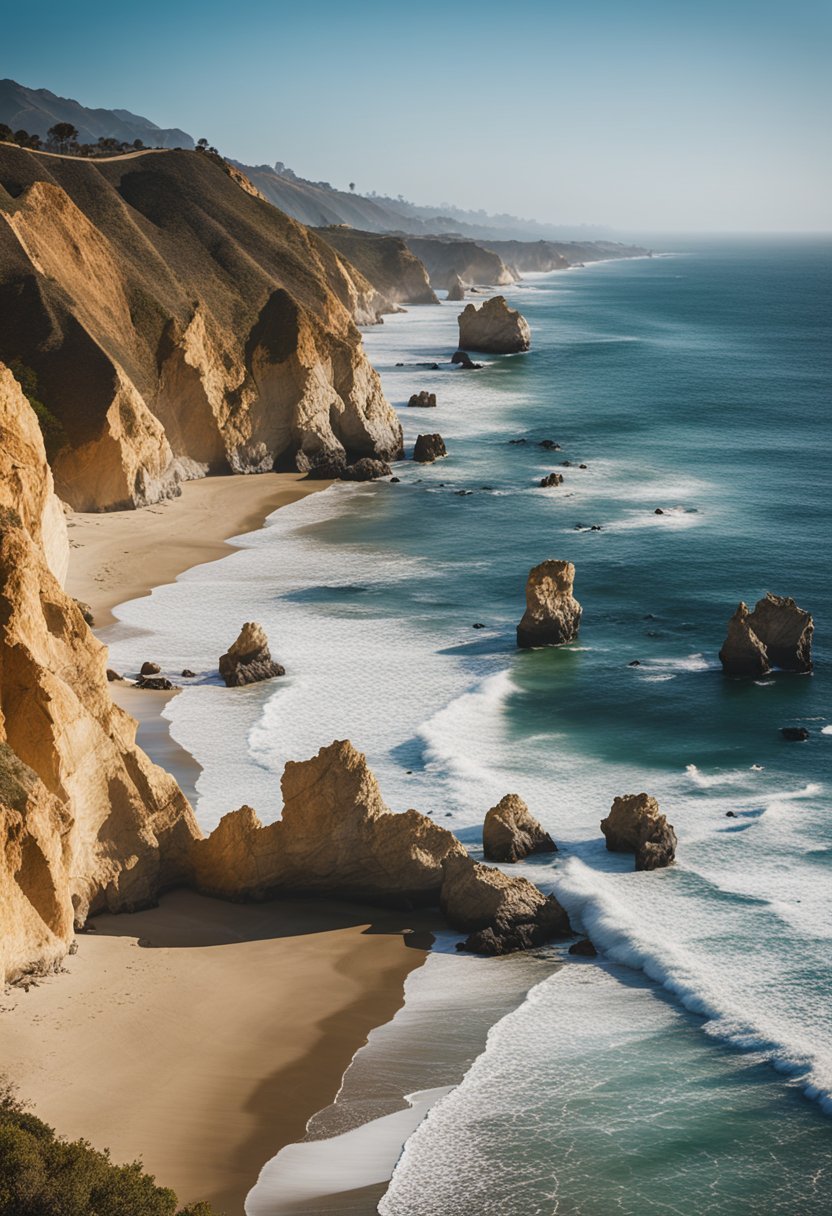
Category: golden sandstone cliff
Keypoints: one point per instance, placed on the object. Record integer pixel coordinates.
(178, 324)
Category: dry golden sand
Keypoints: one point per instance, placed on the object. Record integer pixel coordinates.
(207, 1050)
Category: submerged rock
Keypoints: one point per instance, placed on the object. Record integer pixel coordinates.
(636, 825)
(249, 660)
(785, 630)
(794, 734)
(553, 615)
(511, 833)
(428, 448)
(494, 327)
(463, 359)
(742, 653)
(423, 400)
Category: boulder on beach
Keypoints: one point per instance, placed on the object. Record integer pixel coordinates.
(512, 912)
(249, 660)
(636, 825)
(368, 468)
(494, 327)
(423, 400)
(456, 288)
(511, 832)
(778, 633)
(553, 615)
(428, 448)
(149, 669)
(551, 479)
(155, 683)
(583, 949)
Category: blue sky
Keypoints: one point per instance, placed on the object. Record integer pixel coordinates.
(677, 116)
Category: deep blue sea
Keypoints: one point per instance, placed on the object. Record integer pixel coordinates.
(688, 1069)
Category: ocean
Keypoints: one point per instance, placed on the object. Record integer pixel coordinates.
(689, 1068)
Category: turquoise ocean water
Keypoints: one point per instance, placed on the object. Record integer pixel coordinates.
(690, 1069)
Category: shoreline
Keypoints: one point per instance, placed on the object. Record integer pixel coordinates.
(323, 974)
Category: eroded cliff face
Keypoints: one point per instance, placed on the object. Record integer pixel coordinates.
(385, 260)
(88, 822)
(179, 324)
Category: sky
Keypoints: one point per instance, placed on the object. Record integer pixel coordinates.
(679, 116)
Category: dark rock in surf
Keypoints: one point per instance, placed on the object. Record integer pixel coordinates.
(794, 734)
(583, 949)
(428, 448)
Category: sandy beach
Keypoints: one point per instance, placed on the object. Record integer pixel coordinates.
(199, 1036)
(122, 555)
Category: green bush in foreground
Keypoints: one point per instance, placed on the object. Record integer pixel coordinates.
(42, 1174)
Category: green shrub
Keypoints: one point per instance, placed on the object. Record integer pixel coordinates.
(42, 1174)
(52, 429)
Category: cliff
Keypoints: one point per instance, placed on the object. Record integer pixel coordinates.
(178, 324)
(543, 256)
(447, 257)
(385, 261)
(88, 822)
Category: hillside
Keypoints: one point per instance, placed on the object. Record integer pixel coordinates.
(175, 324)
(395, 272)
(36, 110)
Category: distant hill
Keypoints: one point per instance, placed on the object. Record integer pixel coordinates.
(36, 110)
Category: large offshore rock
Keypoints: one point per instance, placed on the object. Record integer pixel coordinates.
(248, 660)
(494, 328)
(785, 630)
(511, 832)
(742, 653)
(499, 912)
(636, 825)
(553, 615)
(428, 448)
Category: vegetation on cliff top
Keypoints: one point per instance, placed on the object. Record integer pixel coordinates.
(42, 1174)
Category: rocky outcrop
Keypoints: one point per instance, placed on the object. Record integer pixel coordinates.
(456, 288)
(365, 469)
(248, 660)
(464, 360)
(494, 327)
(511, 832)
(742, 653)
(636, 825)
(500, 913)
(428, 448)
(551, 479)
(553, 615)
(448, 259)
(423, 400)
(785, 630)
(777, 633)
(176, 324)
(386, 262)
(89, 823)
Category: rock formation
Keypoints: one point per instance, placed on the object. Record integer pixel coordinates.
(742, 653)
(422, 400)
(777, 633)
(428, 448)
(175, 324)
(365, 469)
(456, 288)
(494, 327)
(500, 913)
(386, 262)
(636, 825)
(551, 479)
(511, 833)
(463, 259)
(463, 360)
(785, 630)
(553, 615)
(249, 660)
(88, 822)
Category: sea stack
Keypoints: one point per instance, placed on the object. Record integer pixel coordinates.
(249, 660)
(511, 832)
(494, 328)
(778, 633)
(636, 825)
(428, 448)
(553, 615)
(456, 288)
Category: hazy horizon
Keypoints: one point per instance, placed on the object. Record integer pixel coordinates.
(662, 119)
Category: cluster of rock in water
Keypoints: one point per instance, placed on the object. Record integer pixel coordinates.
(777, 633)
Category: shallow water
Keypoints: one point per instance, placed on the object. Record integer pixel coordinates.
(698, 383)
